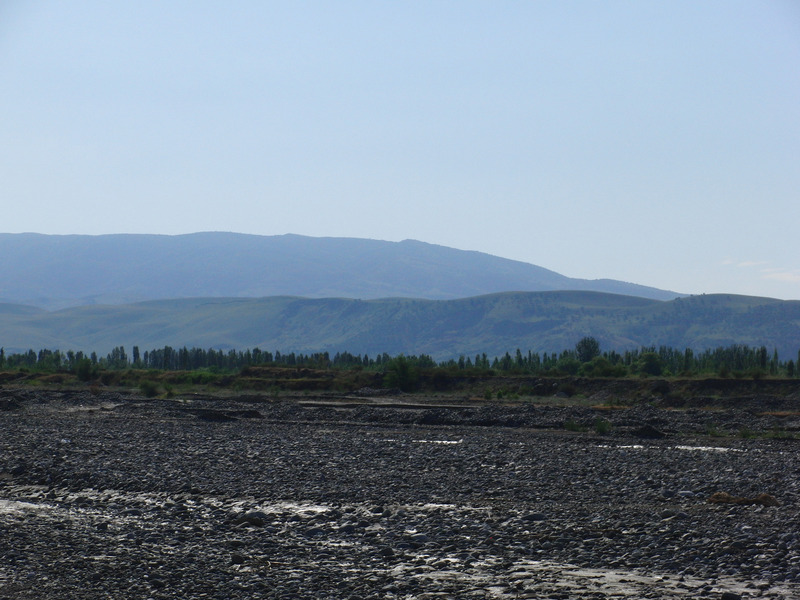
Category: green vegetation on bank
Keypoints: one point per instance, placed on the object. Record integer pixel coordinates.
(195, 366)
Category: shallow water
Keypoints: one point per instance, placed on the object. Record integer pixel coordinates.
(679, 447)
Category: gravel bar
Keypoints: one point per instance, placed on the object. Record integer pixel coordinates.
(114, 496)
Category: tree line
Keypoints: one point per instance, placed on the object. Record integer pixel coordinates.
(585, 359)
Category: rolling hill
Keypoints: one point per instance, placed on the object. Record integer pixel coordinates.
(52, 271)
(494, 324)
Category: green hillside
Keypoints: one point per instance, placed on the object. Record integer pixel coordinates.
(494, 324)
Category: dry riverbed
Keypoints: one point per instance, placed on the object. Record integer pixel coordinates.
(114, 496)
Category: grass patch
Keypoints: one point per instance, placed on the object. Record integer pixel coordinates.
(746, 433)
(781, 434)
(573, 425)
(602, 426)
(607, 407)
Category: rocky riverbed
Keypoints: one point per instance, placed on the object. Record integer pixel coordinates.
(114, 496)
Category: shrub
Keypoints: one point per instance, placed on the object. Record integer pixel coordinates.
(568, 389)
(148, 389)
(780, 434)
(746, 433)
(85, 370)
(107, 377)
(568, 365)
(650, 364)
(440, 380)
(401, 373)
(573, 425)
(601, 367)
(602, 426)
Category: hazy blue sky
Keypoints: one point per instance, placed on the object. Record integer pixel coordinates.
(653, 142)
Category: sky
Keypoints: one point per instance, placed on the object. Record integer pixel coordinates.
(646, 141)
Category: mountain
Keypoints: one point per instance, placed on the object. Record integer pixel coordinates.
(52, 272)
(494, 324)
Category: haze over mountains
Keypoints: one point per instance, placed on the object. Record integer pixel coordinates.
(54, 272)
(299, 294)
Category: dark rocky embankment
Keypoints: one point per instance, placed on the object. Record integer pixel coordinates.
(393, 497)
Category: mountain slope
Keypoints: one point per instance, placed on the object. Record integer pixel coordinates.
(540, 321)
(60, 271)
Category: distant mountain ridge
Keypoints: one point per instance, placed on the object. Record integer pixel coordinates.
(494, 324)
(57, 271)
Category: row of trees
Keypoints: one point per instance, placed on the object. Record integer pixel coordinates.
(586, 358)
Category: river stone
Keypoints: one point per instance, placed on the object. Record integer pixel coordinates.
(649, 432)
(256, 518)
